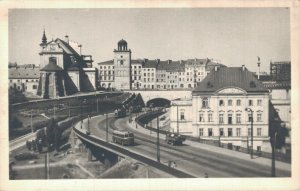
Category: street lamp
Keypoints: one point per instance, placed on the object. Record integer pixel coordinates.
(251, 120)
(177, 118)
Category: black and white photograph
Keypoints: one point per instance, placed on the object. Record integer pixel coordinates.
(149, 93)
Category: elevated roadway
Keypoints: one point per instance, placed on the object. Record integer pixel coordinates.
(193, 161)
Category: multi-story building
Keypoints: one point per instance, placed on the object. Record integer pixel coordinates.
(152, 74)
(217, 110)
(136, 74)
(106, 74)
(24, 78)
(63, 71)
(279, 85)
(149, 74)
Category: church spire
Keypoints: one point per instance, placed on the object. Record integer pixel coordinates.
(44, 39)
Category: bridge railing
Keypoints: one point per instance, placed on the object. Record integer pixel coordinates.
(119, 150)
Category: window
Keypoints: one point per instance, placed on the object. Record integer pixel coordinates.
(259, 102)
(201, 118)
(221, 103)
(230, 102)
(221, 132)
(221, 118)
(249, 117)
(210, 132)
(121, 62)
(229, 132)
(210, 119)
(201, 132)
(182, 115)
(238, 118)
(229, 118)
(205, 102)
(238, 132)
(249, 132)
(259, 117)
(250, 103)
(34, 87)
(258, 131)
(258, 148)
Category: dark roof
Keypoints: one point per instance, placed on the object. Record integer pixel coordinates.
(230, 77)
(277, 85)
(106, 62)
(211, 65)
(170, 65)
(137, 61)
(51, 67)
(23, 73)
(122, 42)
(150, 64)
(196, 61)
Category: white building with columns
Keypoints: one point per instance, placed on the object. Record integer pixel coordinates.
(217, 110)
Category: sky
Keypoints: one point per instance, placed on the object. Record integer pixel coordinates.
(232, 36)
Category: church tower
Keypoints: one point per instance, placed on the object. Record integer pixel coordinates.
(122, 65)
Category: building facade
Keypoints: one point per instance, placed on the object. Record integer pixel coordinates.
(217, 110)
(24, 78)
(64, 71)
(152, 74)
(278, 82)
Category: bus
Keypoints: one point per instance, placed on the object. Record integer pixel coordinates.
(123, 137)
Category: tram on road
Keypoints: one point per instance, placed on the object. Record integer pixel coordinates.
(123, 137)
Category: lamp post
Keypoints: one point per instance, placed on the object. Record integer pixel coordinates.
(158, 149)
(177, 122)
(251, 123)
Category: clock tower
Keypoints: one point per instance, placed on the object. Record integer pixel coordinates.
(122, 66)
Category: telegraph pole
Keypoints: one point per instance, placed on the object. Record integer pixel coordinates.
(31, 121)
(106, 119)
(158, 149)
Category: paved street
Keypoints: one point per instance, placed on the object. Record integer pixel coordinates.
(193, 158)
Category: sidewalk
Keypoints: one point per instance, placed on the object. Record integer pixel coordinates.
(243, 156)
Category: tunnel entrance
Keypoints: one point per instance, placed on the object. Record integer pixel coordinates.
(159, 102)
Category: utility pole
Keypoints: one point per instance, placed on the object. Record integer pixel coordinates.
(251, 134)
(177, 121)
(158, 149)
(273, 155)
(31, 121)
(69, 110)
(251, 123)
(106, 119)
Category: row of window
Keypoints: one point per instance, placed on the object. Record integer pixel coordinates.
(25, 81)
(106, 78)
(205, 103)
(229, 118)
(107, 72)
(221, 117)
(230, 133)
(108, 67)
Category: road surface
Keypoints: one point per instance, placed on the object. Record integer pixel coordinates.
(193, 160)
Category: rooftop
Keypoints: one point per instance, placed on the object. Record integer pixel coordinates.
(23, 73)
(230, 77)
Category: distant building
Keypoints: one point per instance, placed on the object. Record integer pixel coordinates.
(24, 78)
(125, 73)
(64, 71)
(279, 84)
(217, 109)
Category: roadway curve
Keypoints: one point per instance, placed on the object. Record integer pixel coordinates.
(192, 160)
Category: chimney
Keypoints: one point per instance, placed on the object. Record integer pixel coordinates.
(80, 48)
(216, 68)
(145, 60)
(67, 39)
(181, 61)
(243, 67)
(195, 59)
(157, 60)
(169, 61)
